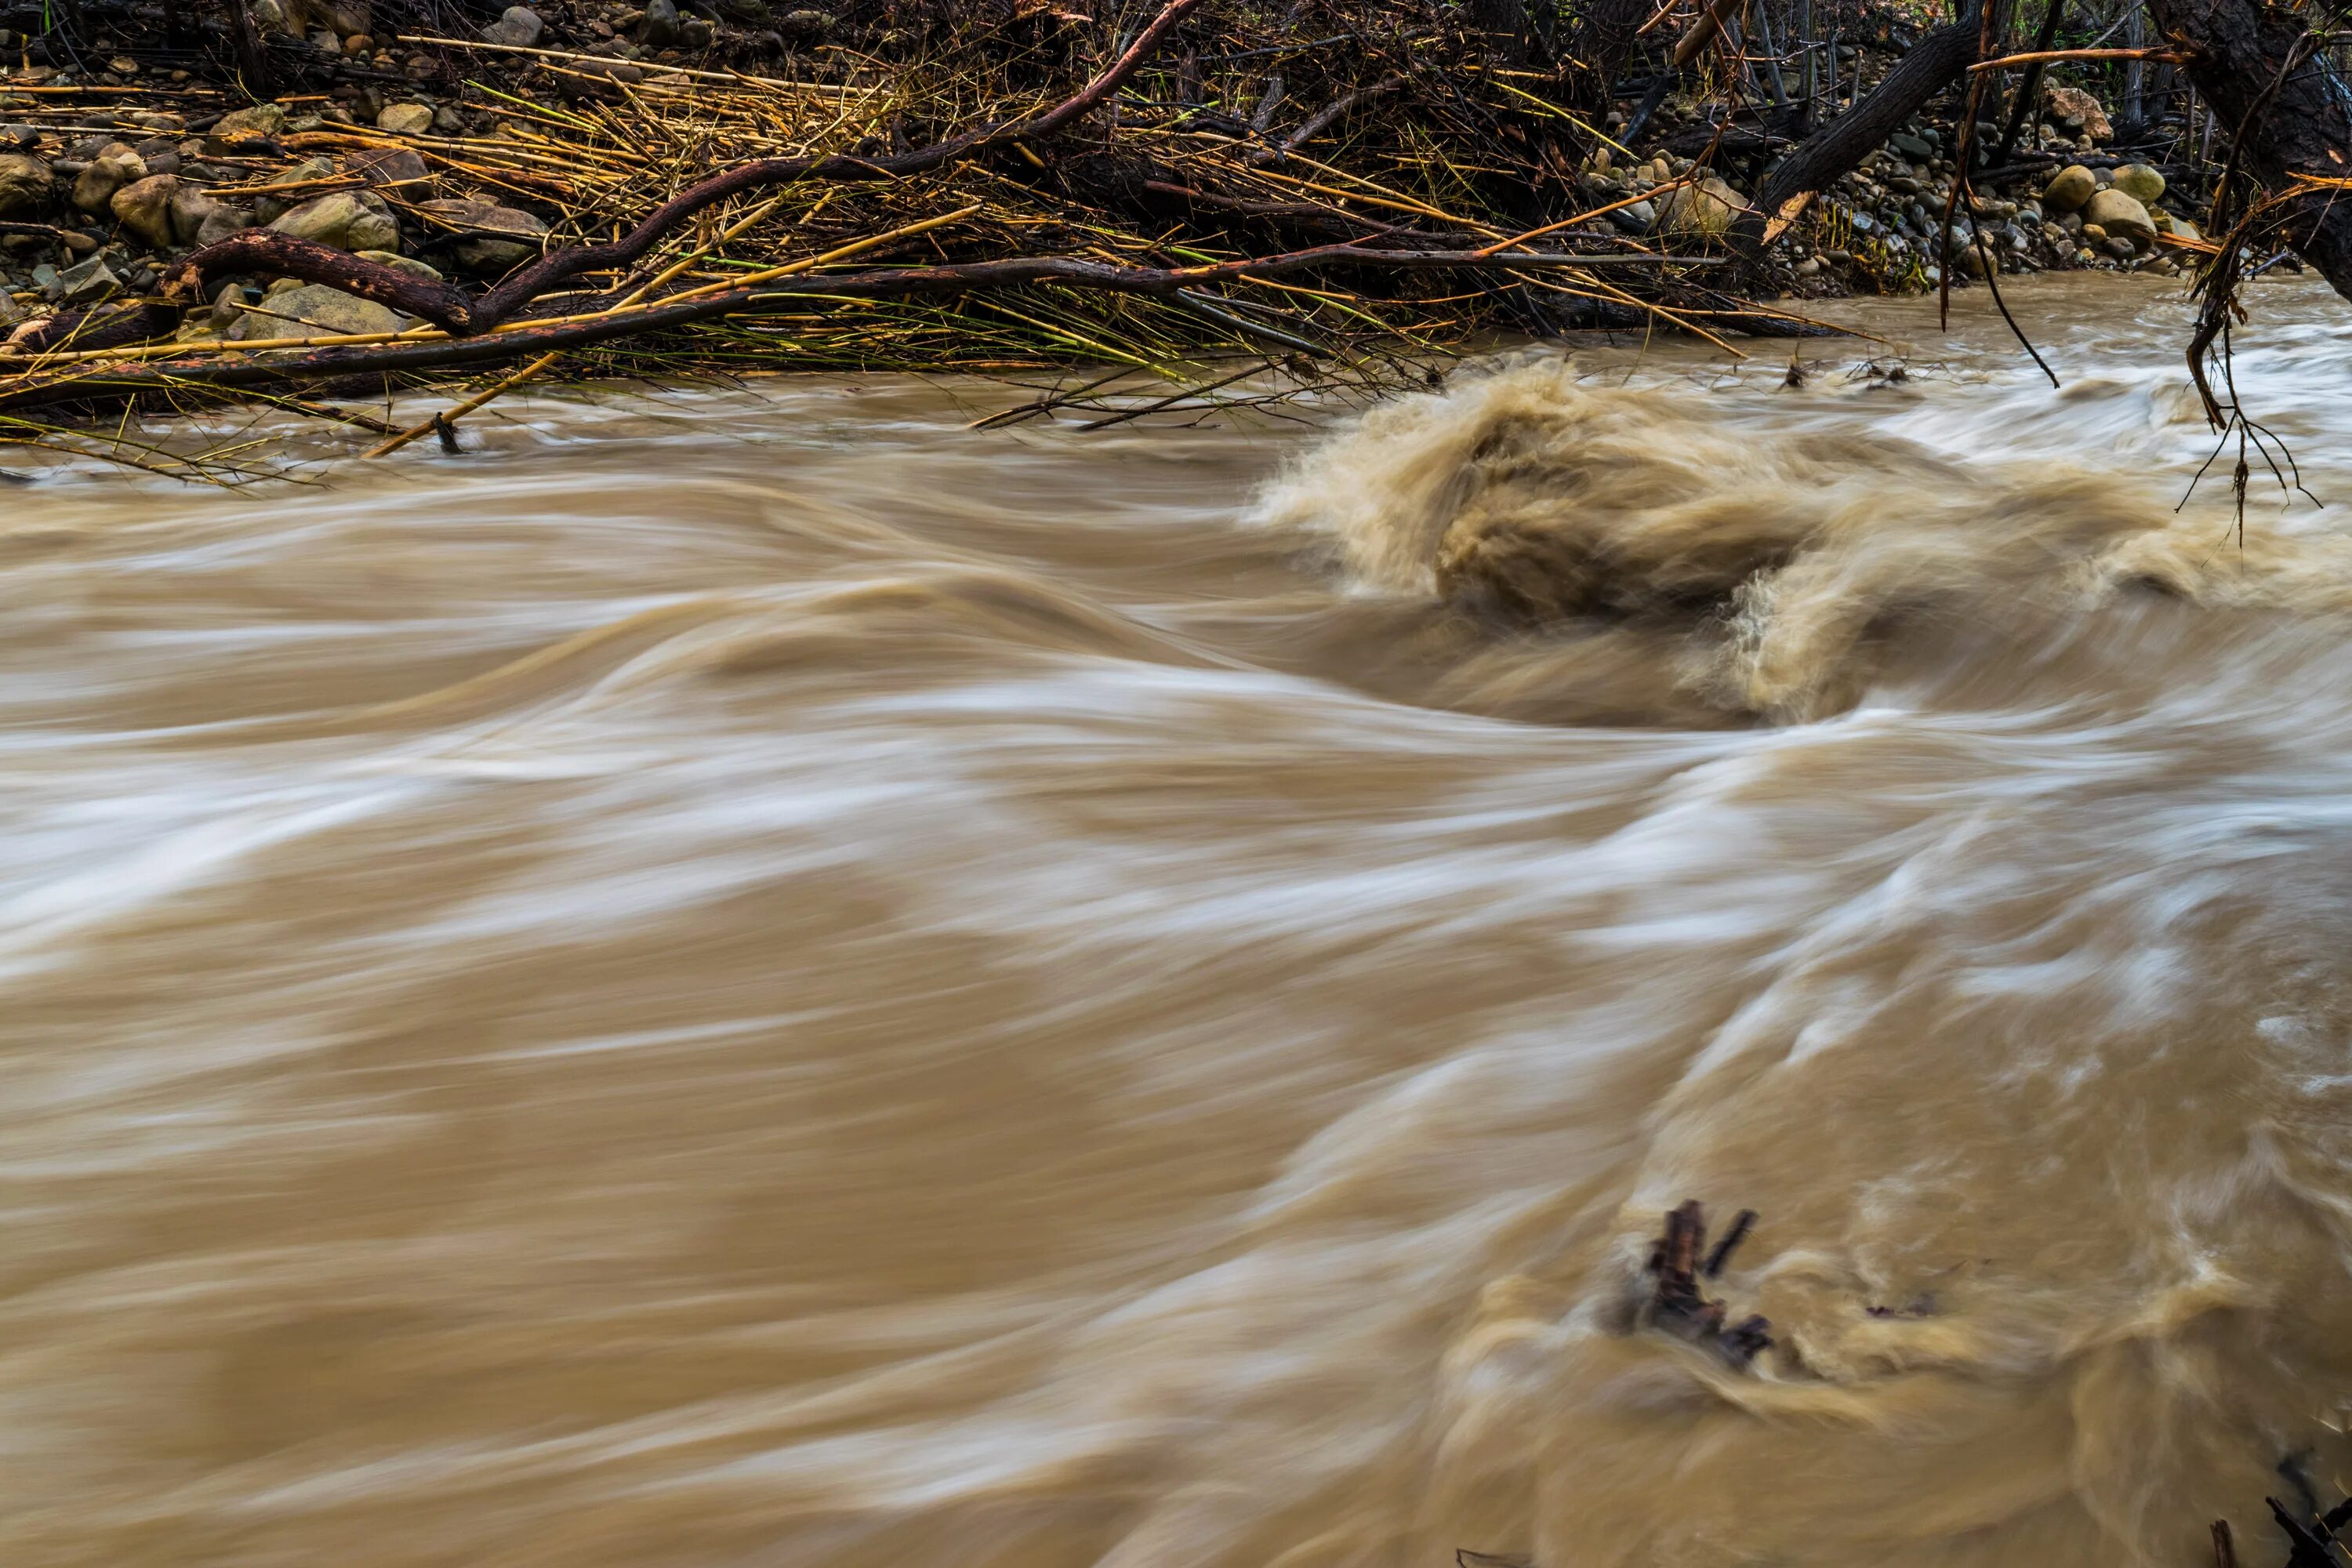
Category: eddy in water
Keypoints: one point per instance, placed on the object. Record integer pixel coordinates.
(782, 981)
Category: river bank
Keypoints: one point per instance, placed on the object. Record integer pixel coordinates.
(376, 200)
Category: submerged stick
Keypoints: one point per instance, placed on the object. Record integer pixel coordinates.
(440, 422)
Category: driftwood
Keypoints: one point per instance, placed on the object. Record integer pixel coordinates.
(1680, 1307)
(2313, 1536)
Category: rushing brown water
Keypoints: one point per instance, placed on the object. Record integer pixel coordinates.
(779, 981)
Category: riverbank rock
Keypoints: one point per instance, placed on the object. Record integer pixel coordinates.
(348, 220)
(400, 263)
(218, 220)
(804, 28)
(1706, 208)
(24, 185)
(94, 187)
(314, 310)
(390, 168)
(261, 120)
(2078, 113)
(85, 283)
(144, 207)
(657, 29)
(518, 26)
(405, 119)
(2140, 182)
(2069, 188)
(485, 248)
(2121, 216)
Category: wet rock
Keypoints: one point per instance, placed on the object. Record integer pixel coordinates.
(349, 220)
(85, 283)
(228, 305)
(188, 209)
(657, 29)
(2069, 188)
(2182, 228)
(261, 120)
(313, 309)
(94, 187)
(144, 207)
(480, 251)
(2140, 182)
(1910, 146)
(1706, 208)
(400, 263)
(518, 26)
(390, 168)
(2119, 247)
(802, 27)
(745, 13)
(1638, 218)
(2121, 218)
(405, 119)
(220, 221)
(25, 185)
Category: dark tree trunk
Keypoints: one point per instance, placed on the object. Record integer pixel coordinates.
(2258, 71)
(1840, 146)
(252, 58)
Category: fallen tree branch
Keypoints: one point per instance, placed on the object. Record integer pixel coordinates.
(1839, 147)
(1321, 119)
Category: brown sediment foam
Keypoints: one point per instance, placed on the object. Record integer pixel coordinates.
(1767, 569)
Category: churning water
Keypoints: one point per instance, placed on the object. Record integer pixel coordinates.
(779, 981)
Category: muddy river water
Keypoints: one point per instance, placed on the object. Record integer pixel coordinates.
(766, 978)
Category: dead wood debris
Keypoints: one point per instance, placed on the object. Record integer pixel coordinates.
(1680, 1307)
